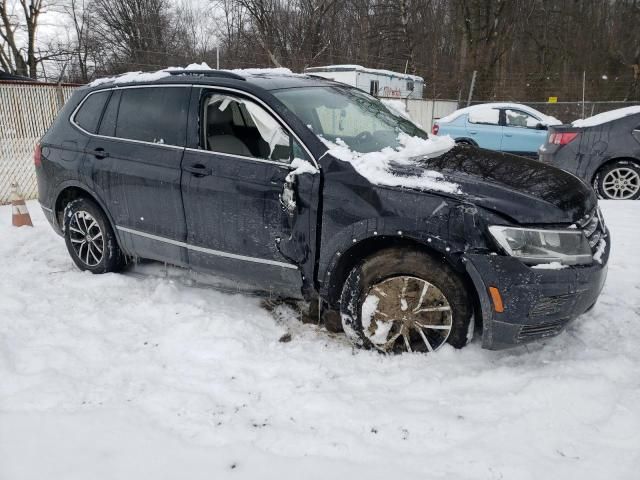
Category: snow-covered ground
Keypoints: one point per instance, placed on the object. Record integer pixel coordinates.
(129, 377)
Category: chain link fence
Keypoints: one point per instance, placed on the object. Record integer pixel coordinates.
(26, 112)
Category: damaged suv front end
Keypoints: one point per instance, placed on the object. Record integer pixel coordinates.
(536, 248)
(526, 296)
(525, 240)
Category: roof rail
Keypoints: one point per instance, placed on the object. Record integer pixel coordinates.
(208, 73)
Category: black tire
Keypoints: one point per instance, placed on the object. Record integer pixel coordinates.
(621, 171)
(399, 263)
(465, 142)
(100, 252)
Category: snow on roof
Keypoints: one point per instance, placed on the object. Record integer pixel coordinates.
(248, 72)
(133, 77)
(360, 68)
(606, 117)
(477, 109)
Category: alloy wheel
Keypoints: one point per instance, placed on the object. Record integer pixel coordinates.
(406, 314)
(621, 183)
(86, 238)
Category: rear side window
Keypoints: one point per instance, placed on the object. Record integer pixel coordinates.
(155, 114)
(108, 124)
(88, 116)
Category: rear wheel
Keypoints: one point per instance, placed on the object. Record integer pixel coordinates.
(403, 300)
(89, 237)
(619, 180)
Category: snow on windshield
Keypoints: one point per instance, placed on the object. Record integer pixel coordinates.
(397, 107)
(605, 117)
(477, 110)
(377, 167)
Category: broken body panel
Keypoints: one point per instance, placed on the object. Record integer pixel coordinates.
(231, 221)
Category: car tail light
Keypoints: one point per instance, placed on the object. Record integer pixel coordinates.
(562, 138)
(435, 128)
(37, 156)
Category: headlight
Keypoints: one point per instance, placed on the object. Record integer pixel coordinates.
(534, 246)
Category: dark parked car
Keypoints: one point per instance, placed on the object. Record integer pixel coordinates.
(604, 150)
(196, 169)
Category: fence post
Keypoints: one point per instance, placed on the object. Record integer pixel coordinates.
(473, 84)
(584, 87)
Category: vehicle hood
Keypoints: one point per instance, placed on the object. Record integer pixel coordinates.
(527, 191)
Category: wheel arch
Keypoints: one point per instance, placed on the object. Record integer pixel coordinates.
(611, 160)
(466, 141)
(345, 261)
(70, 191)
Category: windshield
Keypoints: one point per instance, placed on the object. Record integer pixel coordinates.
(345, 113)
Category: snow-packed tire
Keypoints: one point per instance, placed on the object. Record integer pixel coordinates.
(412, 301)
(618, 180)
(90, 239)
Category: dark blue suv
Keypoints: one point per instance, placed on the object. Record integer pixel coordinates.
(290, 185)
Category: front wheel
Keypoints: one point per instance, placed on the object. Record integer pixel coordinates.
(89, 237)
(403, 300)
(619, 181)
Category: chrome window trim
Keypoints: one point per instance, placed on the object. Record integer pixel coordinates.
(209, 251)
(208, 87)
(75, 111)
(241, 157)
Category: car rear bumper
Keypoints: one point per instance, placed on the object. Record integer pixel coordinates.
(538, 303)
(50, 216)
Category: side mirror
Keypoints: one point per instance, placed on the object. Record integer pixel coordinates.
(541, 126)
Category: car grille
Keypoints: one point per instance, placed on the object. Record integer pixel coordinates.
(541, 330)
(593, 227)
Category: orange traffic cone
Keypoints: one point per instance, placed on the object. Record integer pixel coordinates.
(20, 212)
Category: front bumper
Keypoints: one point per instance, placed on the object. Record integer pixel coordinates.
(538, 303)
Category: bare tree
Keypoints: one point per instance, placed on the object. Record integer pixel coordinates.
(17, 18)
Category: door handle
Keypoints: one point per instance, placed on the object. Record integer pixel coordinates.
(198, 170)
(473, 132)
(100, 153)
(508, 134)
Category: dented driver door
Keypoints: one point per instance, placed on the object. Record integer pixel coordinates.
(237, 225)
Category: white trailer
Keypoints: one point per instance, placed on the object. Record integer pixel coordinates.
(379, 83)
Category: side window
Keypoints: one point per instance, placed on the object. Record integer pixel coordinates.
(88, 116)
(516, 118)
(484, 116)
(237, 126)
(108, 123)
(153, 114)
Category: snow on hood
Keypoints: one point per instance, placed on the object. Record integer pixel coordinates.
(606, 117)
(378, 167)
(487, 108)
(132, 77)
